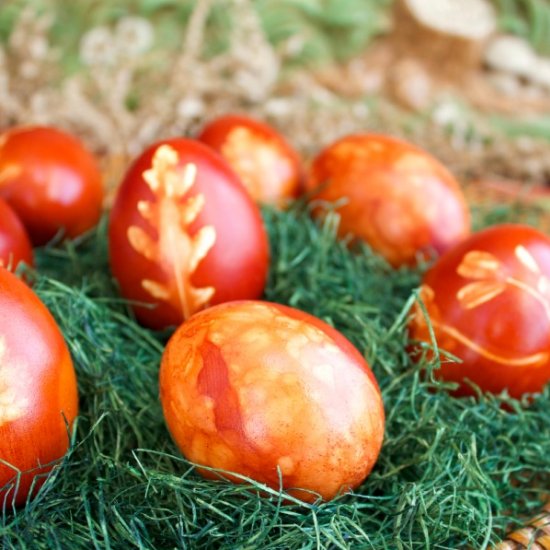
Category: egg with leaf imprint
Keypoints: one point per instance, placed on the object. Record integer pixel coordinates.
(184, 234)
(267, 165)
(488, 303)
(274, 394)
(38, 392)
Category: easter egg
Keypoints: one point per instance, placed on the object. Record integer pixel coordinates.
(184, 234)
(488, 301)
(267, 165)
(15, 245)
(38, 392)
(51, 181)
(274, 394)
(394, 196)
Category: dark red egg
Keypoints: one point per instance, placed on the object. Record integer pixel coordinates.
(488, 301)
(184, 234)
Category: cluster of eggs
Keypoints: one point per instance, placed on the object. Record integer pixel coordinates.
(255, 388)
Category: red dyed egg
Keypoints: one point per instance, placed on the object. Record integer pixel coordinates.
(400, 200)
(38, 393)
(184, 234)
(51, 181)
(15, 245)
(267, 165)
(488, 301)
(260, 389)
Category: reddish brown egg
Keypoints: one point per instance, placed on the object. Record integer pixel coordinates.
(15, 245)
(274, 394)
(488, 301)
(51, 181)
(184, 234)
(265, 162)
(398, 198)
(38, 393)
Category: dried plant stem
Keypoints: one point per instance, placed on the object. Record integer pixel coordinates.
(194, 38)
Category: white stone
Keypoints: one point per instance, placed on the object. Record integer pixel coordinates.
(510, 54)
(474, 19)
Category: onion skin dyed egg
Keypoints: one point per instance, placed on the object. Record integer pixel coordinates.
(184, 234)
(15, 245)
(259, 388)
(269, 168)
(488, 301)
(51, 181)
(400, 200)
(38, 392)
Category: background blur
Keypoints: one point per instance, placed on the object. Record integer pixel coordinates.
(469, 80)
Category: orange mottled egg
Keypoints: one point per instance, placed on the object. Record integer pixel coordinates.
(263, 389)
(38, 393)
(488, 301)
(267, 165)
(398, 198)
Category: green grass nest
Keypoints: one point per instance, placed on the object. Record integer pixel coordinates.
(452, 472)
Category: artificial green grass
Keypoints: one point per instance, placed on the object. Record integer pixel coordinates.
(452, 472)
